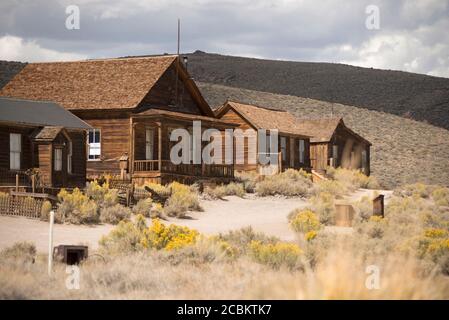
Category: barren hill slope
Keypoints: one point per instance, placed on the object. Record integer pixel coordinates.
(404, 150)
(417, 96)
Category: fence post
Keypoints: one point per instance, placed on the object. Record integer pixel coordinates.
(17, 182)
(33, 183)
(50, 243)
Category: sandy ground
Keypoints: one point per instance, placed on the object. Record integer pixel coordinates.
(268, 215)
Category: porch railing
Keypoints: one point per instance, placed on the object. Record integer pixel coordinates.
(199, 170)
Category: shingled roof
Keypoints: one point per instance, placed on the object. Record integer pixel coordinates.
(264, 118)
(322, 129)
(39, 113)
(119, 83)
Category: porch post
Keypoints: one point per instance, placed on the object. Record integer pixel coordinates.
(159, 146)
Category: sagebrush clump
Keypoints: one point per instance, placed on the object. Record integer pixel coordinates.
(288, 183)
(230, 189)
(182, 199)
(276, 255)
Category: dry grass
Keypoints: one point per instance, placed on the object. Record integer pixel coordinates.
(288, 183)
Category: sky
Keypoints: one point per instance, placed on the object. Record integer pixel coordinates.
(397, 34)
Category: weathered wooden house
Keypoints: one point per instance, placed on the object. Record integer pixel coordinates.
(293, 143)
(41, 137)
(334, 144)
(132, 105)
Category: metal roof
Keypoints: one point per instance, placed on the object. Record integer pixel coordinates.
(41, 113)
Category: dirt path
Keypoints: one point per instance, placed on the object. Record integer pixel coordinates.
(268, 215)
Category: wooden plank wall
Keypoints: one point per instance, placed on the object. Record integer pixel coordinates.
(163, 94)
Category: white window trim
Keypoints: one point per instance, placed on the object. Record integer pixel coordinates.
(13, 165)
(97, 146)
(69, 158)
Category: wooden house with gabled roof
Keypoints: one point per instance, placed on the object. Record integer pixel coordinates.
(43, 139)
(333, 144)
(132, 105)
(293, 143)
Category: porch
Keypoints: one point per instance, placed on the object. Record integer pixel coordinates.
(151, 145)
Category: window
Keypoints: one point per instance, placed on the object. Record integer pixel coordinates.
(335, 155)
(94, 144)
(302, 150)
(69, 158)
(364, 161)
(283, 148)
(15, 149)
(58, 159)
(149, 144)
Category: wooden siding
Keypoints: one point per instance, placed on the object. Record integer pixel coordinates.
(233, 117)
(163, 95)
(115, 139)
(45, 163)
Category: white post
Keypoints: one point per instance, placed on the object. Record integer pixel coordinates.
(50, 243)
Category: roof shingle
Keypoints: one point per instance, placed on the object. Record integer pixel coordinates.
(92, 84)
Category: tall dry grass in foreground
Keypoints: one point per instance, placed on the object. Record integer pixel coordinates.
(153, 276)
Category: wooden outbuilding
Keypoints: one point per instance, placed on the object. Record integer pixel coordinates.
(293, 143)
(132, 104)
(333, 144)
(44, 138)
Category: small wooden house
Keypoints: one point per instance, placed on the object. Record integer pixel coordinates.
(293, 143)
(132, 104)
(334, 144)
(45, 138)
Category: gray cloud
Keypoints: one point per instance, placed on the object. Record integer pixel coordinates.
(412, 37)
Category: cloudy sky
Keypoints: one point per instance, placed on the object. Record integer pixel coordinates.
(412, 35)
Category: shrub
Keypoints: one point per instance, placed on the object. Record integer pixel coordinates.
(332, 187)
(143, 207)
(248, 179)
(76, 208)
(125, 237)
(304, 221)
(418, 190)
(309, 236)
(434, 245)
(101, 194)
(240, 239)
(45, 210)
(363, 209)
(441, 196)
(275, 255)
(182, 199)
(22, 252)
(231, 189)
(159, 236)
(288, 183)
(353, 179)
(114, 214)
(323, 204)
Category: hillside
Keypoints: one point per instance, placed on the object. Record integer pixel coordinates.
(415, 96)
(404, 150)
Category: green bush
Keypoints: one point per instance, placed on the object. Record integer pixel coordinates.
(230, 189)
(101, 194)
(241, 238)
(323, 204)
(288, 183)
(183, 198)
(114, 214)
(45, 210)
(76, 208)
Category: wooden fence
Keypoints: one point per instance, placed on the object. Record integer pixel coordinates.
(21, 206)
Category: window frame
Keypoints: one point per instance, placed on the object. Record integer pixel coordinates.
(69, 158)
(15, 152)
(302, 151)
(94, 130)
(57, 162)
(149, 145)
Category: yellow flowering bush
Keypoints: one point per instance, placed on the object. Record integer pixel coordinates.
(76, 208)
(159, 236)
(304, 221)
(275, 255)
(309, 236)
(434, 245)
